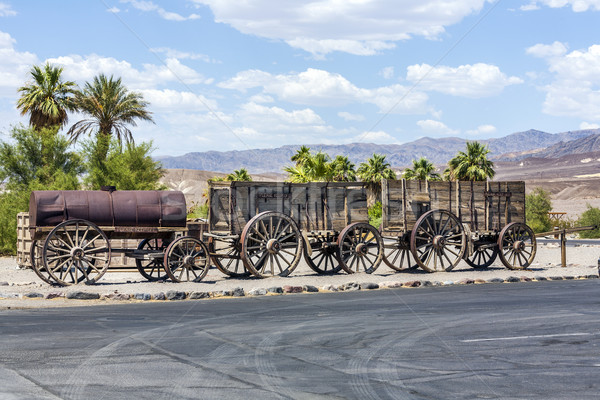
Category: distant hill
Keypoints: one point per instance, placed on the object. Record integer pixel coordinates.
(439, 150)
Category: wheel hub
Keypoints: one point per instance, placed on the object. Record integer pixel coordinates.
(273, 246)
(519, 246)
(439, 242)
(362, 249)
(77, 253)
(189, 261)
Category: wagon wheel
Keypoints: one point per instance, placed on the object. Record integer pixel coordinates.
(396, 254)
(437, 241)
(271, 244)
(483, 256)
(360, 247)
(37, 263)
(74, 251)
(323, 259)
(231, 263)
(154, 268)
(517, 245)
(186, 259)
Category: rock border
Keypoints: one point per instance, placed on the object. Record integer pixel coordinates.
(175, 295)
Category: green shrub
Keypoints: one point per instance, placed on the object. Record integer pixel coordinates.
(537, 206)
(591, 216)
(198, 211)
(375, 214)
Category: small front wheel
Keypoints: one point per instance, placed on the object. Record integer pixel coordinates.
(186, 260)
(360, 248)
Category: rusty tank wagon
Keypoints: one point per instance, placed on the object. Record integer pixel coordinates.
(71, 233)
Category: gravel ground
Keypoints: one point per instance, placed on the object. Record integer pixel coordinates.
(17, 286)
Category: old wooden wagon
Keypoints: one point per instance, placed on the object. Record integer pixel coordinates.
(264, 228)
(434, 225)
(71, 233)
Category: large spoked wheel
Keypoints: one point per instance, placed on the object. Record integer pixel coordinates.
(517, 245)
(397, 255)
(186, 260)
(76, 251)
(153, 268)
(323, 259)
(360, 248)
(437, 241)
(271, 245)
(37, 263)
(230, 263)
(483, 256)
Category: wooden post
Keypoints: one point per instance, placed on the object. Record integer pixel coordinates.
(563, 248)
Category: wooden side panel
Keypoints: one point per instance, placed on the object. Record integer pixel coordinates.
(392, 204)
(356, 205)
(219, 209)
(335, 206)
(418, 201)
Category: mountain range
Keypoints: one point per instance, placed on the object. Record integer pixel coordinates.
(513, 147)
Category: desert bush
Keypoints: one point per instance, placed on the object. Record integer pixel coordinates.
(375, 214)
(591, 216)
(537, 206)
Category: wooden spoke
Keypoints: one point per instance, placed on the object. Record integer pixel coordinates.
(186, 259)
(152, 267)
(68, 257)
(437, 241)
(483, 256)
(230, 263)
(397, 255)
(359, 248)
(517, 246)
(270, 244)
(322, 258)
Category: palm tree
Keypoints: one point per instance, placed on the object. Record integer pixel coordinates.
(343, 169)
(422, 170)
(372, 172)
(472, 165)
(47, 98)
(239, 175)
(301, 155)
(297, 174)
(311, 168)
(111, 108)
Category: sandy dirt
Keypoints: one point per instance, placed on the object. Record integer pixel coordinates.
(16, 284)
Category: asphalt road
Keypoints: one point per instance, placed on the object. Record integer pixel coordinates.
(506, 341)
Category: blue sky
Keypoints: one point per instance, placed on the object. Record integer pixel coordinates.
(233, 75)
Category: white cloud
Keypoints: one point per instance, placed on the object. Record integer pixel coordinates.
(350, 117)
(361, 27)
(482, 130)
(556, 49)
(435, 127)
(379, 137)
(14, 66)
(576, 5)
(316, 87)
(6, 10)
(587, 125)
(149, 6)
(575, 87)
(474, 81)
(84, 68)
(168, 99)
(114, 10)
(183, 55)
(387, 72)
